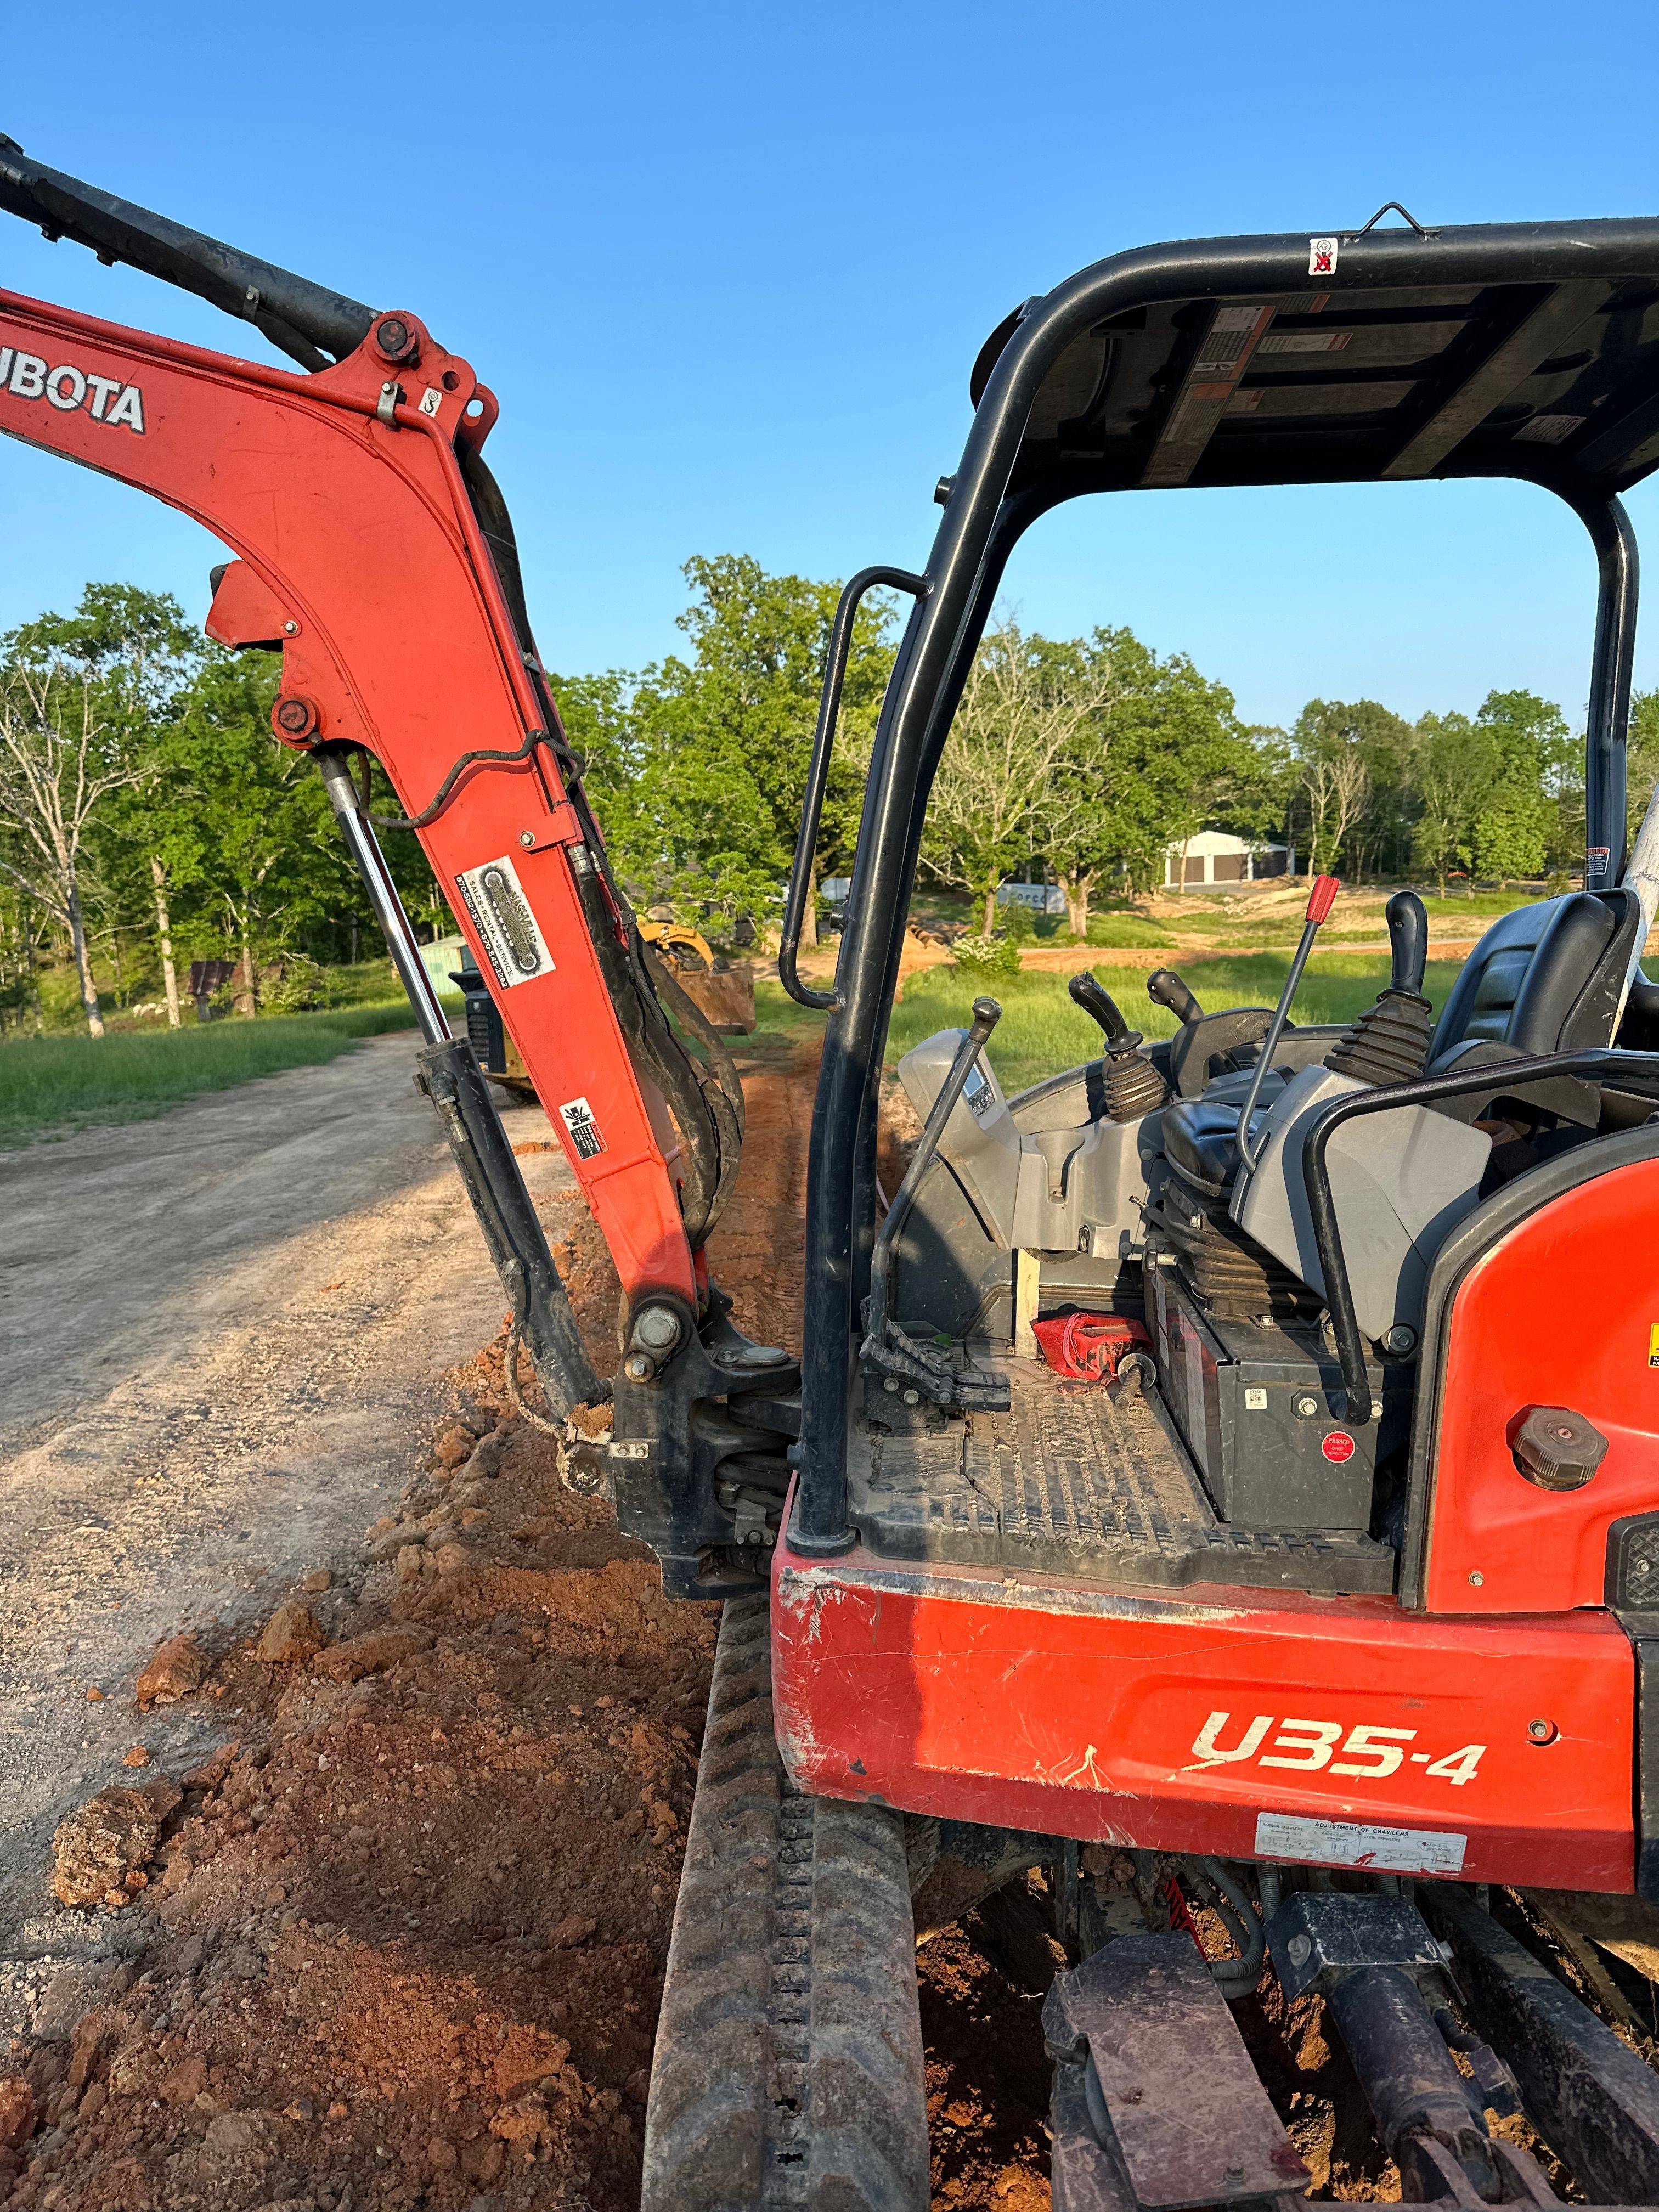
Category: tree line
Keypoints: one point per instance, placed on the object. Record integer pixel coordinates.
(149, 817)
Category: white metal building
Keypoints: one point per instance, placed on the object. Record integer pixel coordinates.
(1214, 859)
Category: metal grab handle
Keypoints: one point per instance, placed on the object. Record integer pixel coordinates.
(818, 773)
(1494, 1075)
(986, 1014)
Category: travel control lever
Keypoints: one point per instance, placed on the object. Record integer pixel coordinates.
(1321, 899)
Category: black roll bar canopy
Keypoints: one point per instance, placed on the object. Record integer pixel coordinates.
(1528, 350)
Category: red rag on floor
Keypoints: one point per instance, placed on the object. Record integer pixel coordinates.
(1088, 1347)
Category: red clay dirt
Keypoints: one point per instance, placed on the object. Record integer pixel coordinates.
(402, 1939)
(403, 1936)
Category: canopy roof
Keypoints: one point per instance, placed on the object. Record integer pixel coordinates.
(1550, 372)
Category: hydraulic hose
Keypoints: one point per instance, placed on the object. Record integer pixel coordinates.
(1239, 1977)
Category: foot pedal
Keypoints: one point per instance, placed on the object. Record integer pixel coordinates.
(1157, 2107)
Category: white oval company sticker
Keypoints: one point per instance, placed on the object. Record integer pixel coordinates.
(503, 916)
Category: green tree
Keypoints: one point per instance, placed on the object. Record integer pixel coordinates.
(242, 823)
(1520, 827)
(697, 767)
(1642, 757)
(1001, 791)
(1351, 763)
(1456, 768)
(78, 695)
(1157, 752)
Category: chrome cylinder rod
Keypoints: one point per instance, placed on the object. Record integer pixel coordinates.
(365, 849)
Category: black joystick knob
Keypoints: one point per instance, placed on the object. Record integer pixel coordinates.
(1389, 1042)
(1087, 991)
(1134, 1085)
(1408, 934)
(1165, 988)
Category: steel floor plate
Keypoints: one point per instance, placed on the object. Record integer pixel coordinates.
(1066, 1482)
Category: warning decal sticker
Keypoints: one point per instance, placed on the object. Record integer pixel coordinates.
(1653, 1346)
(1346, 1843)
(1321, 257)
(584, 1130)
(501, 913)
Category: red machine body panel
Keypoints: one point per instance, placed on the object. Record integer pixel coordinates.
(351, 511)
(1345, 1730)
(1563, 1310)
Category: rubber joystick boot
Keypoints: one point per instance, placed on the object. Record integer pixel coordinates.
(1390, 1042)
(1134, 1085)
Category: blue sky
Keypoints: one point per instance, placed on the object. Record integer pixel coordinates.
(728, 267)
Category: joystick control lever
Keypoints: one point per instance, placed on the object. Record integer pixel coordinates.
(1408, 936)
(1134, 1085)
(1165, 988)
(1096, 1001)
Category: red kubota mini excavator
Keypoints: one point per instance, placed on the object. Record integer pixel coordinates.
(1328, 1608)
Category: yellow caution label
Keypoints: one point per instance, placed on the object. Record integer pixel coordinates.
(1653, 1346)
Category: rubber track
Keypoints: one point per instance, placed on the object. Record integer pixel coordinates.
(788, 2072)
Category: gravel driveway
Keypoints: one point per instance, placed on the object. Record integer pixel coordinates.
(225, 1334)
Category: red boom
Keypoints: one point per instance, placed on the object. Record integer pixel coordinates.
(351, 511)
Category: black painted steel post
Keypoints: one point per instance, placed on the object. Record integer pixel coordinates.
(1608, 723)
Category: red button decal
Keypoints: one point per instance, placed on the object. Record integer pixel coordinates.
(1338, 1446)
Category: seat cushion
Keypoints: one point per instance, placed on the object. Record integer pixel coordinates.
(1200, 1142)
(1547, 977)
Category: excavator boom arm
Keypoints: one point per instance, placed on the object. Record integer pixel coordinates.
(345, 494)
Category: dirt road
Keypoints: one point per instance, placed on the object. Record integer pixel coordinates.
(226, 1331)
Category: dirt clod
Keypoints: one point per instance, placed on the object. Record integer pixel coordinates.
(16, 2111)
(112, 1834)
(371, 1652)
(180, 1667)
(293, 1632)
(453, 1445)
(138, 1756)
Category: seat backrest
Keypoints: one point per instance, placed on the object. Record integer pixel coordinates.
(1549, 977)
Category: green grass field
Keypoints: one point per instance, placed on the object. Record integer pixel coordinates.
(52, 1085)
(1041, 1032)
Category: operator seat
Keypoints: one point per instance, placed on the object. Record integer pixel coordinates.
(1549, 977)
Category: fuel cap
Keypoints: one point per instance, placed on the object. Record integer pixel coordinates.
(1556, 1449)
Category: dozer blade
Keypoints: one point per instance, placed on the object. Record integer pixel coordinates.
(788, 2068)
(1156, 2103)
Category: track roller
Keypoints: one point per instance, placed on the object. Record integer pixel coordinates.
(789, 2069)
